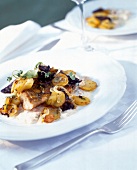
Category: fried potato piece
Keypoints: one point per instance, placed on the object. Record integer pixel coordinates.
(101, 18)
(106, 24)
(81, 100)
(88, 85)
(13, 100)
(56, 99)
(49, 118)
(11, 106)
(9, 109)
(60, 80)
(50, 114)
(21, 84)
(93, 21)
(52, 99)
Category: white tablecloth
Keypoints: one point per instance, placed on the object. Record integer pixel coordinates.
(99, 152)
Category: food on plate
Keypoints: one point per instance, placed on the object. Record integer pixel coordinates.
(107, 18)
(44, 94)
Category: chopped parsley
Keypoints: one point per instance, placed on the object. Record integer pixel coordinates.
(30, 74)
(17, 73)
(72, 76)
(9, 79)
(37, 65)
(47, 74)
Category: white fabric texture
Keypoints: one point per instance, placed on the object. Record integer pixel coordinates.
(13, 36)
(17, 40)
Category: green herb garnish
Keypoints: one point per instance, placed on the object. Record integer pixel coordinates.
(72, 76)
(37, 65)
(17, 73)
(9, 79)
(47, 74)
(30, 74)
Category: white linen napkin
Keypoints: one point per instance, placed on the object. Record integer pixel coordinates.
(28, 37)
(13, 36)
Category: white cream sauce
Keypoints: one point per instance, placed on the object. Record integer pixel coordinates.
(120, 16)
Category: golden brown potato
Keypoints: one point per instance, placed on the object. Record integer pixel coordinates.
(60, 99)
(60, 80)
(11, 106)
(16, 100)
(52, 99)
(50, 114)
(81, 100)
(13, 110)
(9, 109)
(49, 118)
(88, 85)
(106, 24)
(13, 100)
(56, 99)
(93, 21)
(102, 19)
(21, 84)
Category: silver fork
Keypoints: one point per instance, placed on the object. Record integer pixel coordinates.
(110, 128)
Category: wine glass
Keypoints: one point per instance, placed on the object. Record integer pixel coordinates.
(84, 38)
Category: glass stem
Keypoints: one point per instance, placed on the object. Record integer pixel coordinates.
(83, 34)
(82, 22)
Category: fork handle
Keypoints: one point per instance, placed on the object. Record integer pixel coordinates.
(45, 157)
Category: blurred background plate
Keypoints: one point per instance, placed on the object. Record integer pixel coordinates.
(130, 27)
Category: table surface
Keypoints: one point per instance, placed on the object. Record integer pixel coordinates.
(99, 152)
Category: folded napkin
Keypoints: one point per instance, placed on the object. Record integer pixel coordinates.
(28, 37)
(13, 36)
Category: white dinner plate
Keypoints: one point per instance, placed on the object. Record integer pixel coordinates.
(130, 27)
(108, 73)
